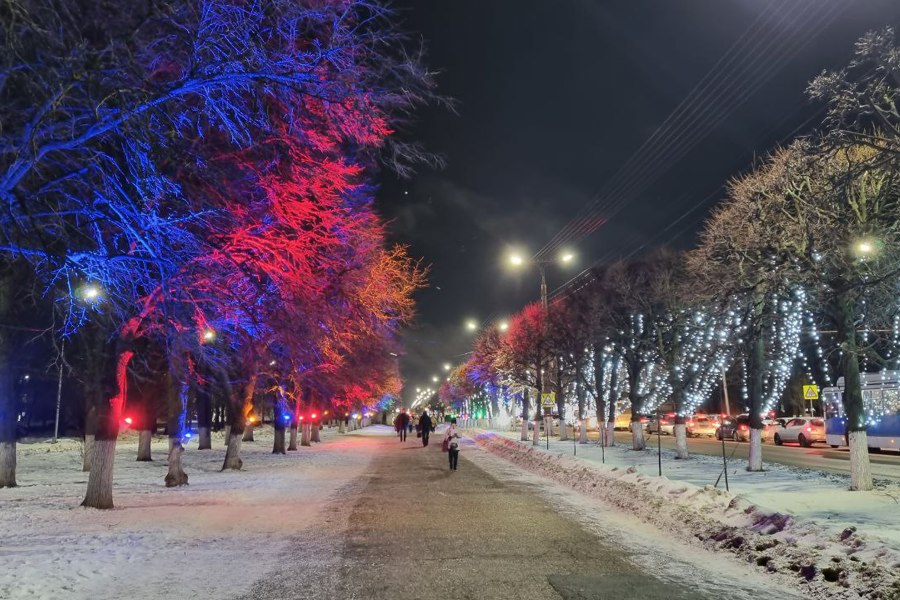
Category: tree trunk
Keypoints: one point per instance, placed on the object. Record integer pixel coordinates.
(278, 444)
(305, 435)
(342, 427)
(233, 452)
(248, 433)
(582, 432)
(610, 431)
(525, 416)
(314, 433)
(90, 429)
(176, 476)
(7, 388)
(204, 418)
(637, 436)
(100, 480)
(755, 382)
(238, 419)
(755, 459)
(681, 450)
(860, 468)
(560, 403)
(293, 443)
(145, 438)
(204, 438)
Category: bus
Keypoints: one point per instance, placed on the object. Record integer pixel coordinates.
(881, 402)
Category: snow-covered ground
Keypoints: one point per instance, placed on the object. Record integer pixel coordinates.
(787, 520)
(211, 539)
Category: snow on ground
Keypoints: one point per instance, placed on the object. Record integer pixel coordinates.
(184, 541)
(786, 520)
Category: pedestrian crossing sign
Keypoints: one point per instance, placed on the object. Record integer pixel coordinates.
(810, 392)
(548, 400)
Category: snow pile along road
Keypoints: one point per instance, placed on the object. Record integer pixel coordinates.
(822, 563)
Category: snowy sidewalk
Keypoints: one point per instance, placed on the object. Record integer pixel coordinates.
(823, 530)
(210, 539)
(802, 493)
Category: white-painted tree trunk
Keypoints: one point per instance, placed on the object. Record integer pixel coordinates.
(755, 461)
(860, 468)
(145, 437)
(227, 434)
(681, 450)
(248, 433)
(610, 431)
(524, 437)
(563, 432)
(100, 481)
(314, 437)
(7, 464)
(582, 433)
(342, 427)
(87, 457)
(637, 436)
(204, 438)
(292, 444)
(536, 433)
(233, 453)
(304, 435)
(176, 476)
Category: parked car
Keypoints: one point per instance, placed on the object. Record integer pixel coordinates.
(804, 430)
(734, 428)
(702, 425)
(623, 421)
(665, 425)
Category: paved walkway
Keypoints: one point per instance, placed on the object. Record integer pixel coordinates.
(414, 529)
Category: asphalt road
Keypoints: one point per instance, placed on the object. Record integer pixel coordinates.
(825, 458)
(413, 529)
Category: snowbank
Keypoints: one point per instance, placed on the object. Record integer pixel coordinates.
(824, 562)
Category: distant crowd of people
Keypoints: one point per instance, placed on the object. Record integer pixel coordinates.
(405, 423)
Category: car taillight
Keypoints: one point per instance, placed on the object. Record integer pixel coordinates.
(809, 428)
(743, 428)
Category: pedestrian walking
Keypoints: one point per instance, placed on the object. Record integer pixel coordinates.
(401, 423)
(410, 426)
(425, 427)
(451, 439)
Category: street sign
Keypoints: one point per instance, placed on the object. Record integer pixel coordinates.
(548, 400)
(810, 392)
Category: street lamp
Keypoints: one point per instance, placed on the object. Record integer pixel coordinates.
(447, 366)
(435, 379)
(502, 325)
(516, 260)
(471, 325)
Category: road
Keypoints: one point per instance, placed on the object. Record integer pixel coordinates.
(825, 458)
(411, 529)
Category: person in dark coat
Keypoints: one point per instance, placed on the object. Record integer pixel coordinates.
(401, 424)
(425, 426)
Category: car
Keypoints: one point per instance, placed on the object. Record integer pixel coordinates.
(623, 421)
(665, 425)
(734, 428)
(702, 425)
(806, 431)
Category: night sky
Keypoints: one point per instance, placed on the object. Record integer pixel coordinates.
(554, 97)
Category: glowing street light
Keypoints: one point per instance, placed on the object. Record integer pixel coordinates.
(471, 325)
(209, 335)
(865, 247)
(567, 257)
(502, 325)
(516, 260)
(447, 366)
(91, 292)
(435, 379)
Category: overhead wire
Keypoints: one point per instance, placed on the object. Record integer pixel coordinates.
(661, 158)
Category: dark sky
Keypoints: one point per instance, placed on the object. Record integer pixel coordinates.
(554, 97)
